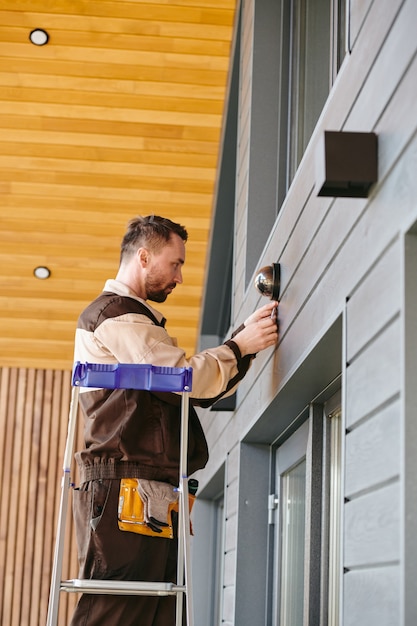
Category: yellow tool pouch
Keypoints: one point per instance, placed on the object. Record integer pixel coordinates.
(131, 513)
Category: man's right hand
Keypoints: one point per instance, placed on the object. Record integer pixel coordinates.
(260, 330)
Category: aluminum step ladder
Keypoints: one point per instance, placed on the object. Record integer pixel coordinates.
(148, 378)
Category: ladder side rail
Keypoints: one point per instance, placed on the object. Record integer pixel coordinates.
(181, 538)
(183, 562)
(53, 605)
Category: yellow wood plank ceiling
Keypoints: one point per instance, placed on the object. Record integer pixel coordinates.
(119, 114)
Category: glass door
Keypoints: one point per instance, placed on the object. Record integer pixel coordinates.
(293, 498)
(290, 529)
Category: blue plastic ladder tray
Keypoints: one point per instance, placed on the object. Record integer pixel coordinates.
(130, 376)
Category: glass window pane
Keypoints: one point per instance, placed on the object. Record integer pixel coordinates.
(309, 72)
(293, 503)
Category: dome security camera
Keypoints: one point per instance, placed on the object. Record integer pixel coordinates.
(268, 281)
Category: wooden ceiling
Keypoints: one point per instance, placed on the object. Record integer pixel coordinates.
(119, 114)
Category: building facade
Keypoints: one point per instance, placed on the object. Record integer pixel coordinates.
(307, 512)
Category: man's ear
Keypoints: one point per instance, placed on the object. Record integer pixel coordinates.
(143, 256)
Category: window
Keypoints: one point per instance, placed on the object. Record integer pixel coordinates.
(309, 61)
(307, 535)
(290, 529)
(293, 503)
(298, 47)
(312, 50)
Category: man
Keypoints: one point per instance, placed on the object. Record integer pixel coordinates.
(135, 433)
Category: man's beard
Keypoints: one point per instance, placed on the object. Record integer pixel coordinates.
(155, 293)
(157, 296)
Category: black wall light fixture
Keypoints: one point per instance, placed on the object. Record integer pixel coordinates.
(268, 281)
(346, 164)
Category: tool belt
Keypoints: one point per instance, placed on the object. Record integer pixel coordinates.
(146, 507)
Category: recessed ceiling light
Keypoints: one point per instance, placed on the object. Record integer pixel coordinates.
(39, 37)
(42, 272)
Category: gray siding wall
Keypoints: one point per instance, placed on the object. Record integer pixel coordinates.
(342, 258)
(373, 445)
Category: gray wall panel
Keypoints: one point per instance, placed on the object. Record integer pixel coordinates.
(372, 528)
(373, 451)
(372, 597)
(375, 376)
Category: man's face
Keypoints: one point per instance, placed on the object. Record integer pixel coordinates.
(165, 270)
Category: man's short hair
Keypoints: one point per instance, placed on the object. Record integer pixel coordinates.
(151, 232)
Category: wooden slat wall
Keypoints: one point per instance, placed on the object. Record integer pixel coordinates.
(34, 407)
(119, 114)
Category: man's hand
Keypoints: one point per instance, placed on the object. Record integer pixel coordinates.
(260, 332)
(268, 310)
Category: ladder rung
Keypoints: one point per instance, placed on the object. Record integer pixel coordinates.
(120, 587)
